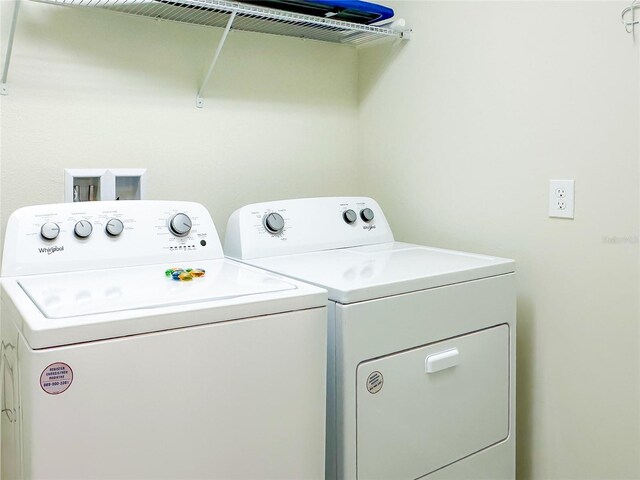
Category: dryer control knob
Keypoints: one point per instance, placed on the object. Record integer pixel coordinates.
(114, 227)
(349, 216)
(83, 229)
(180, 225)
(366, 214)
(49, 231)
(273, 222)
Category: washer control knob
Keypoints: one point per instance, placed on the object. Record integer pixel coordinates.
(180, 225)
(49, 231)
(366, 214)
(349, 216)
(83, 229)
(273, 222)
(114, 227)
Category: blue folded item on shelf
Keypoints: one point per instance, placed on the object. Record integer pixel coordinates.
(354, 11)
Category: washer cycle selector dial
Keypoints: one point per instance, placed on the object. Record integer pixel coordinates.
(349, 216)
(180, 225)
(114, 227)
(273, 222)
(49, 231)
(366, 214)
(83, 229)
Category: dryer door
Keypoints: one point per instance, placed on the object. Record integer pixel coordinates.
(423, 409)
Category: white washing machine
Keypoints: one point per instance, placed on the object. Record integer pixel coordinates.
(113, 370)
(421, 357)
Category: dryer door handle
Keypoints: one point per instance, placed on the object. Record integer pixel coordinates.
(441, 360)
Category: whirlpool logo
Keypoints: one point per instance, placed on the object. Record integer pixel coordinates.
(50, 250)
(368, 227)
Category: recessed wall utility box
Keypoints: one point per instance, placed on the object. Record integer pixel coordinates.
(129, 183)
(82, 185)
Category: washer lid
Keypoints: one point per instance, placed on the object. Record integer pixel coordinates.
(365, 273)
(67, 295)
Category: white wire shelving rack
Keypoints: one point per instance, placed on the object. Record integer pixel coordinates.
(228, 15)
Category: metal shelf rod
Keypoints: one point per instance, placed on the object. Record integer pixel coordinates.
(7, 55)
(199, 101)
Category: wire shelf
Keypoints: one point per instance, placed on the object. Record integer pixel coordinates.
(226, 14)
(251, 18)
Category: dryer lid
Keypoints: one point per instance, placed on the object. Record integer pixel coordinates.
(75, 294)
(364, 273)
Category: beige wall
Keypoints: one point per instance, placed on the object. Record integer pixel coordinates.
(461, 129)
(456, 133)
(100, 89)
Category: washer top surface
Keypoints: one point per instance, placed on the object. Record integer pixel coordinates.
(77, 273)
(364, 273)
(68, 295)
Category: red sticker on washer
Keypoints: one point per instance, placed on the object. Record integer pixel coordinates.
(56, 378)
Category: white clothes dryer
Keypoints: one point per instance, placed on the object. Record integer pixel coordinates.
(421, 341)
(113, 369)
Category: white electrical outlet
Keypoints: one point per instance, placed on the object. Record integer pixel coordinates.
(561, 198)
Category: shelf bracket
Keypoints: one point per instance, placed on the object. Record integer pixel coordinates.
(199, 101)
(7, 54)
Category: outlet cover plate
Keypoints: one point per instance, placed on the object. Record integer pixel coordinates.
(561, 198)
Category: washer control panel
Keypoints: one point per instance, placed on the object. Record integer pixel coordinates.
(305, 225)
(91, 235)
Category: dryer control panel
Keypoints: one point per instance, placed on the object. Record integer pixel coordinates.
(70, 237)
(305, 225)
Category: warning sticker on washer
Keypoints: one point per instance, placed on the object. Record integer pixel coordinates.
(56, 378)
(374, 382)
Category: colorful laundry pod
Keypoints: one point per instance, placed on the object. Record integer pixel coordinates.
(176, 274)
(185, 277)
(170, 271)
(184, 274)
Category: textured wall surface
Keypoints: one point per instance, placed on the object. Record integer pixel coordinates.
(456, 133)
(471, 118)
(100, 89)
